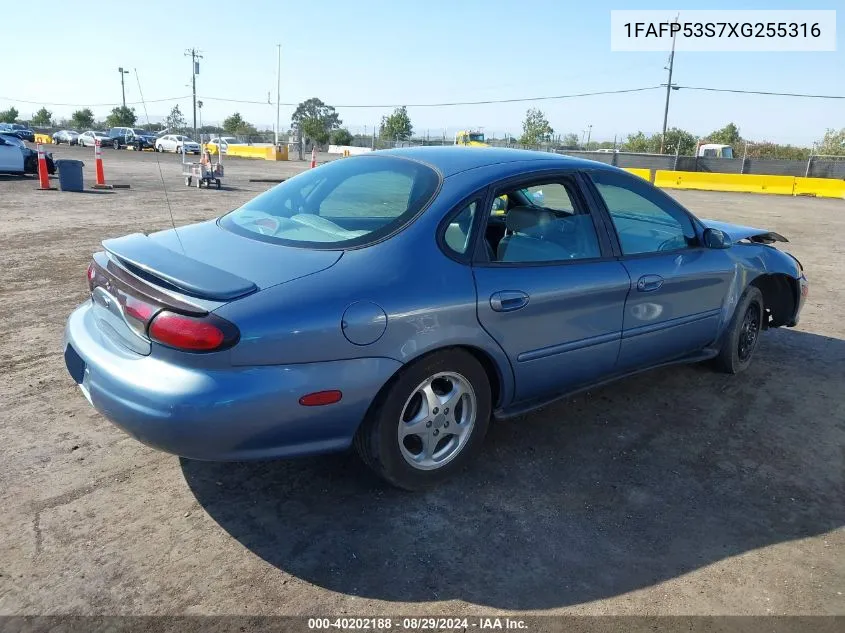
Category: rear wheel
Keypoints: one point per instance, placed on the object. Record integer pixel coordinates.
(116, 144)
(429, 422)
(742, 334)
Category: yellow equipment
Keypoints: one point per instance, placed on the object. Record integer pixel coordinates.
(471, 138)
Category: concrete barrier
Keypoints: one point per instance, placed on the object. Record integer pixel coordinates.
(706, 181)
(263, 152)
(820, 187)
(645, 174)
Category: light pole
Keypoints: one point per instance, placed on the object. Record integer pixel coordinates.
(199, 106)
(278, 91)
(669, 87)
(122, 88)
(194, 54)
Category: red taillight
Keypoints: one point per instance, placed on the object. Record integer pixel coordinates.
(188, 333)
(92, 272)
(138, 309)
(320, 398)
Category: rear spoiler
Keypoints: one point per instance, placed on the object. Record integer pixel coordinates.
(192, 277)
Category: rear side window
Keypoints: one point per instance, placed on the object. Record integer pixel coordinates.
(345, 203)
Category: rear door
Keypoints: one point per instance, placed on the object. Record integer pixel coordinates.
(550, 291)
(678, 287)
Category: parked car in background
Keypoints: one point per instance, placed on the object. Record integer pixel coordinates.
(222, 142)
(17, 158)
(16, 129)
(65, 136)
(89, 138)
(265, 333)
(175, 143)
(136, 137)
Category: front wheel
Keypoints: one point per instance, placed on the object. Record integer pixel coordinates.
(741, 337)
(429, 422)
(116, 144)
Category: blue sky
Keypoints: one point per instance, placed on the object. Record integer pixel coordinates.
(376, 51)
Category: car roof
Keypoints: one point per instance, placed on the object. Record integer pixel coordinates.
(453, 159)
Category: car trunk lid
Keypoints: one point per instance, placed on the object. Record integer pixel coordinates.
(192, 273)
(208, 262)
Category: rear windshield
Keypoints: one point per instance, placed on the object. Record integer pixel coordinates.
(345, 203)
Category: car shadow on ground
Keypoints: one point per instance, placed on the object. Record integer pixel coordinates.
(602, 494)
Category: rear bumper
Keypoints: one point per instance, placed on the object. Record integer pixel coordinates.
(236, 413)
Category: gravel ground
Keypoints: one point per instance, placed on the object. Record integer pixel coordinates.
(681, 491)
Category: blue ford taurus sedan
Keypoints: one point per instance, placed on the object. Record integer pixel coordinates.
(399, 301)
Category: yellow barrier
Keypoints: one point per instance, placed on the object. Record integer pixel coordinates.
(645, 174)
(262, 152)
(820, 187)
(43, 138)
(749, 183)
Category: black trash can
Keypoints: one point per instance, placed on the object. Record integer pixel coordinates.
(70, 174)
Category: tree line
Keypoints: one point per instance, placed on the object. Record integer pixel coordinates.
(319, 124)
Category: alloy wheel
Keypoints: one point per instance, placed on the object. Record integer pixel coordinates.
(437, 420)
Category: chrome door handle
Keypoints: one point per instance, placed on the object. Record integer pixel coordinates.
(508, 300)
(649, 283)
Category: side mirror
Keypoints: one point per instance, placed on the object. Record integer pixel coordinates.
(714, 238)
(538, 197)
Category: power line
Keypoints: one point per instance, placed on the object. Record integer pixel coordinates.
(759, 92)
(454, 103)
(91, 105)
(444, 104)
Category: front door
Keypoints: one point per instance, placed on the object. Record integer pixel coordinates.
(678, 287)
(551, 295)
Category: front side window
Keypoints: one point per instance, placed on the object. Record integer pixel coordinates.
(644, 221)
(545, 222)
(344, 203)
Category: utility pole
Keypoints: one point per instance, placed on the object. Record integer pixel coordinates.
(195, 70)
(589, 134)
(668, 89)
(199, 107)
(278, 91)
(122, 88)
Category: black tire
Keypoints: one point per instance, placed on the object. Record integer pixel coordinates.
(377, 439)
(218, 183)
(116, 144)
(737, 350)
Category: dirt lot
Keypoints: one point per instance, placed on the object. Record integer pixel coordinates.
(681, 491)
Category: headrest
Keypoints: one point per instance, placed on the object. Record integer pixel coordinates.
(519, 219)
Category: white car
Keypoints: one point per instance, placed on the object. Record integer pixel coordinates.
(175, 143)
(223, 142)
(89, 138)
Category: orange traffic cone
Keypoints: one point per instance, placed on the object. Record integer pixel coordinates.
(98, 163)
(43, 176)
(313, 157)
